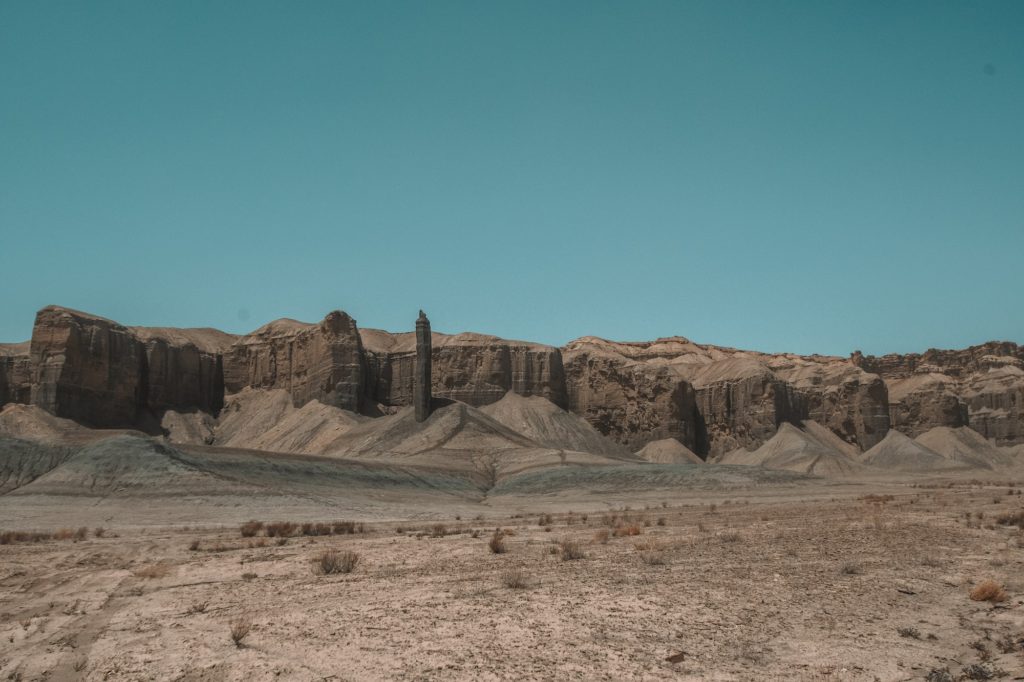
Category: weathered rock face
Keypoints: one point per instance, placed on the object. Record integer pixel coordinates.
(632, 402)
(471, 368)
(86, 368)
(311, 361)
(15, 373)
(981, 387)
(184, 368)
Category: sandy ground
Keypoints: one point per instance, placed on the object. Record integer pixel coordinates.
(756, 587)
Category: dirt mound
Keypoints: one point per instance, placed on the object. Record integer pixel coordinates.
(456, 438)
(793, 449)
(668, 451)
(28, 422)
(966, 447)
(897, 452)
(548, 425)
(263, 420)
(22, 461)
(127, 466)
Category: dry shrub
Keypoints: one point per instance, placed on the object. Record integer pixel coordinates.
(571, 550)
(199, 607)
(1014, 518)
(332, 561)
(497, 542)
(249, 576)
(280, 529)
(64, 534)
(544, 520)
(622, 530)
(9, 537)
(730, 536)
(98, 532)
(250, 528)
(240, 628)
(438, 531)
(990, 591)
(515, 579)
(152, 571)
(651, 553)
(601, 537)
(662, 520)
(194, 545)
(346, 527)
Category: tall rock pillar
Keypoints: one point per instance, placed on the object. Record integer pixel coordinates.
(421, 383)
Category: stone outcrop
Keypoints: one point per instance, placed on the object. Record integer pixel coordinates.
(631, 401)
(184, 368)
(15, 373)
(472, 368)
(321, 362)
(86, 368)
(981, 387)
(421, 380)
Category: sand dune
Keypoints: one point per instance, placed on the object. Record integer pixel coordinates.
(668, 451)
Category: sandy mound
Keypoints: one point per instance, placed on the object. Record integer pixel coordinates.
(21, 461)
(263, 420)
(29, 422)
(897, 452)
(965, 446)
(668, 451)
(456, 438)
(797, 450)
(548, 425)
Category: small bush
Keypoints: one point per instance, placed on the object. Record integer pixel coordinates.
(98, 532)
(623, 530)
(199, 607)
(438, 531)
(514, 579)
(730, 536)
(571, 550)
(281, 529)
(990, 591)
(1014, 518)
(249, 576)
(544, 520)
(240, 628)
(250, 528)
(497, 542)
(909, 632)
(194, 545)
(601, 537)
(332, 561)
(662, 521)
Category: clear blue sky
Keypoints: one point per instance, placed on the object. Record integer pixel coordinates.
(808, 176)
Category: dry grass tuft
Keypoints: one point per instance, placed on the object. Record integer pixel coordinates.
(251, 528)
(571, 550)
(623, 530)
(990, 591)
(497, 542)
(851, 568)
(332, 561)
(240, 628)
(515, 579)
(601, 537)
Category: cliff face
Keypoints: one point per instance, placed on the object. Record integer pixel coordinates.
(184, 368)
(472, 368)
(86, 368)
(321, 362)
(15, 373)
(632, 402)
(981, 387)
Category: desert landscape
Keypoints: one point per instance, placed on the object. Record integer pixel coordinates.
(320, 501)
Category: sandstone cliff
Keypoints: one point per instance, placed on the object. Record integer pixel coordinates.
(981, 387)
(321, 362)
(15, 373)
(472, 368)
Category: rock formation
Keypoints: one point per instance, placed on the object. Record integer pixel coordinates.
(981, 387)
(472, 368)
(86, 368)
(15, 373)
(321, 362)
(421, 382)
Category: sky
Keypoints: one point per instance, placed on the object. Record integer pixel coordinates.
(781, 176)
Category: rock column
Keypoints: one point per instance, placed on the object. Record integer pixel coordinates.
(421, 384)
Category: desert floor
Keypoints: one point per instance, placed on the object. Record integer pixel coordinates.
(848, 587)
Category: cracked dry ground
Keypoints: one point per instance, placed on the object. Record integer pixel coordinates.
(845, 589)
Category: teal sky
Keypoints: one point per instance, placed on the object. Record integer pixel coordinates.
(806, 176)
